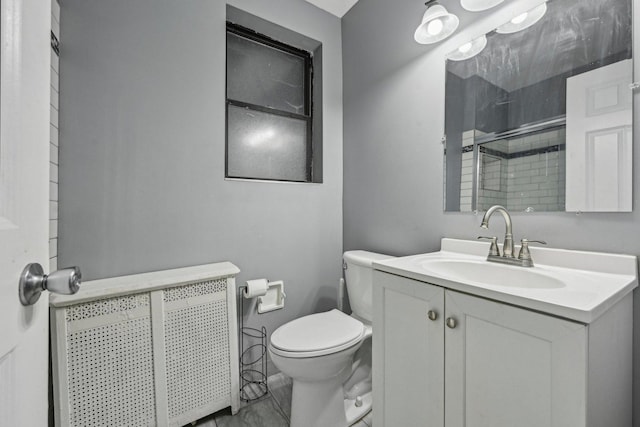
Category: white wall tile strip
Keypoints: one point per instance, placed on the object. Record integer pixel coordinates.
(53, 143)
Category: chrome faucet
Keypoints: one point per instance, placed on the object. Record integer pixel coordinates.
(507, 257)
(507, 246)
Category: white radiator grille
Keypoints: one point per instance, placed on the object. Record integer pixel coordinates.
(110, 365)
(151, 349)
(106, 306)
(194, 290)
(197, 346)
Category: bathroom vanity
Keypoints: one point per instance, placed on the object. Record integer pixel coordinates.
(459, 341)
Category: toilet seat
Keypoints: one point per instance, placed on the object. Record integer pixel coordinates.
(317, 335)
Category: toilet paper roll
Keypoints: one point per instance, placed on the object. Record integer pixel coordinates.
(256, 288)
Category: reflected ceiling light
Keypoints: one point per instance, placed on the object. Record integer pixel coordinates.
(468, 50)
(524, 20)
(437, 24)
(479, 5)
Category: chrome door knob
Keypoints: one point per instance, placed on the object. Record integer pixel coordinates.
(432, 315)
(451, 322)
(65, 282)
(33, 281)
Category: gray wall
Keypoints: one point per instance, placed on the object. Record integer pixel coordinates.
(394, 116)
(142, 131)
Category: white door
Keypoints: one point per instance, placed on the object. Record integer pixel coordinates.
(408, 352)
(24, 193)
(599, 141)
(506, 366)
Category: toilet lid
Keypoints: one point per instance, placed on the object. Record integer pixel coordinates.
(318, 333)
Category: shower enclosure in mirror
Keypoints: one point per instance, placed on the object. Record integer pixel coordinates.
(538, 113)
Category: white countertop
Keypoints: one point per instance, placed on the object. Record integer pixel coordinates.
(593, 281)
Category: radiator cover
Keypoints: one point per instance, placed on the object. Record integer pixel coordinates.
(157, 349)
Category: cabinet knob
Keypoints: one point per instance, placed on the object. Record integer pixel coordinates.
(432, 315)
(451, 322)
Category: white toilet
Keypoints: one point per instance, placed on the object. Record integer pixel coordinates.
(328, 355)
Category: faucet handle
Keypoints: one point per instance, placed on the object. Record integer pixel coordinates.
(524, 248)
(493, 249)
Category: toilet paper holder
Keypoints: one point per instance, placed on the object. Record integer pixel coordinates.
(273, 299)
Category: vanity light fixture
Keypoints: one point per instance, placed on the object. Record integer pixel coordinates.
(524, 20)
(469, 50)
(479, 5)
(437, 24)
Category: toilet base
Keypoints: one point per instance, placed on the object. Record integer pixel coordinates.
(337, 411)
(356, 413)
(318, 404)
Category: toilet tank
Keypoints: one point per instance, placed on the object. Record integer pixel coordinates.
(358, 274)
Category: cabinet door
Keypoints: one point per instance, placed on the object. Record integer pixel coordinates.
(408, 353)
(507, 366)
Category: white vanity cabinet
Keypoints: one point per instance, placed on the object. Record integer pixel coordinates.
(408, 352)
(446, 358)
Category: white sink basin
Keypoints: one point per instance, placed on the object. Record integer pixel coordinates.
(484, 272)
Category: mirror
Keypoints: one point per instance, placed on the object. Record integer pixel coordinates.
(538, 113)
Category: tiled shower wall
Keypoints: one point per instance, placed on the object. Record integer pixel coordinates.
(493, 182)
(525, 173)
(466, 174)
(537, 180)
(493, 178)
(53, 143)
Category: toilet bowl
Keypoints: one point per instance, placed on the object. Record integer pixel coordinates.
(317, 352)
(328, 355)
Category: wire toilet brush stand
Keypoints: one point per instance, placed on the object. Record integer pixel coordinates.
(253, 360)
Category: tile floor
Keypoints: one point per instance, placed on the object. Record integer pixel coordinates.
(272, 410)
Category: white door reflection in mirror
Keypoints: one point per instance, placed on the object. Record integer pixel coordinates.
(599, 140)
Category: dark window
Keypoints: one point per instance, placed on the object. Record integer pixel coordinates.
(269, 108)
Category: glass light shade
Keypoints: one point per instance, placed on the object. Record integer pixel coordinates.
(479, 5)
(468, 50)
(520, 18)
(437, 24)
(435, 27)
(524, 20)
